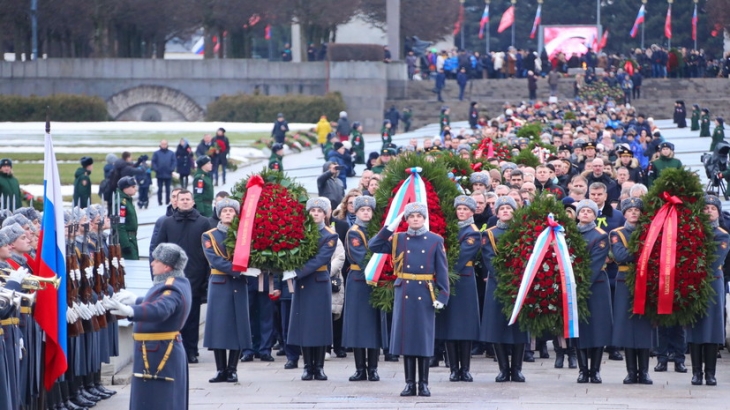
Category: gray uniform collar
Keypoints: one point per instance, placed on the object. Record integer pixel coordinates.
(587, 227)
(467, 222)
(223, 227)
(417, 232)
(502, 225)
(157, 279)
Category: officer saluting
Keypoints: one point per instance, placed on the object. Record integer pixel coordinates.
(127, 228)
(421, 287)
(160, 365)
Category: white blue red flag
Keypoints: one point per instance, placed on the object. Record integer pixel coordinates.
(639, 21)
(50, 312)
(694, 23)
(536, 24)
(483, 22)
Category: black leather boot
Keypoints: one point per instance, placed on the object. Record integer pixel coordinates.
(632, 371)
(500, 351)
(559, 356)
(308, 373)
(695, 353)
(543, 349)
(360, 373)
(643, 357)
(423, 368)
(582, 365)
(409, 368)
(709, 354)
(100, 387)
(452, 354)
(465, 360)
(232, 369)
(372, 361)
(572, 357)
(596, 359)
(319, 363)
(220, 366)
(518, 350)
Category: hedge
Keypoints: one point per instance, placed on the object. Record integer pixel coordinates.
(264, 108)
(63, 107)
(355, 52)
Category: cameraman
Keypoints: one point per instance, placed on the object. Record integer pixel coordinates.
(329, 185)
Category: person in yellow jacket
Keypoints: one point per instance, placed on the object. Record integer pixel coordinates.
(323, 128)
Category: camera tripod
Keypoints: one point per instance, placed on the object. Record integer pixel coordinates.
(718, 183)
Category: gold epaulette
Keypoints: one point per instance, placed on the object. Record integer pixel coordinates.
(601, 231)
(721, 230)
(169, 281)
(474, 227)
(330, 230)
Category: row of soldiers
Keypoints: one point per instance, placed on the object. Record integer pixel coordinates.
(95, 271)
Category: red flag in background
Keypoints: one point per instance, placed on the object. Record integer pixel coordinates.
(508, 18)
(459, 21)
(604, 40)
(668, 23)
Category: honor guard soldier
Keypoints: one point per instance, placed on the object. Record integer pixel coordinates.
(160, 369)
(364, 326)
(82, 183)
(495, 326)
(311, 314)
(634, 333)
(458, 324)
(203, 187)
(705, 123)
(10, 320)
(596, 333)
(227, 321)
(127, 227)
(421, 287)
(708, 332)
(479, 181)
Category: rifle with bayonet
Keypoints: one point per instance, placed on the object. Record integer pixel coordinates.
(86, 272)
(76, 328)
(99, 285)
(115, 249)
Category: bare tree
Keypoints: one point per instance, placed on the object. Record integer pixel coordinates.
(428, 19)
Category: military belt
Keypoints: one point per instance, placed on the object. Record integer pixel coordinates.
(623, 268)
(355, 267)
(26, 309)
(147, 337)
(216, 272)
(470, 263)
(322, 268)
(413, 276)
(153, 337)
(11, 321)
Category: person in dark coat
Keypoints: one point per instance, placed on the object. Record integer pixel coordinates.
(160, 372)
(695, 121)
(440, 84)
(461, 80)
(184, 157)
(311, 313)
(680, 114)
(281, 127)
(224, 148)
(705, 123)
(718, 134)
(635, 333)
(158, 223)
(394, 117)
(364, 326)
(473, 115)
(596, 332)
(532, 85)
(82, 183)
(122, 167)
(612, 189)
(344, 129)
(458, 324)
(708, 332)
(421, 287)
(185, 228)
(495, 327)
(227, 319)
(164, 163)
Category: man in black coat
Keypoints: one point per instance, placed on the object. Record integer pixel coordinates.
(171, 208)
(394, 116)
(612, 188)
(281, 127)
(185, 228)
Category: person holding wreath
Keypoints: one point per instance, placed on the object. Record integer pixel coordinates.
(421, 287)
(495, 327)
(363, 326)
(458, 324)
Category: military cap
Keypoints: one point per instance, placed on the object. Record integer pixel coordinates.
(227, 203)
(415, 208)
(171, 255)
(19, 219)
(629, 203)
(589, 144)
(6, 162)
(28, 212)
(126, 182)
(587, 203)
(5, 214)
(565, 147)
(666, 144)
(95, 210)
(508, 165)
(464, 147)
(202, 160)
(319, 202)
(714, 201)
(364, 200)
(13, 232)
(387, 151)
(467, 201)
(4, 239)
(86, 161)
(479, 178)
(505, 200)
(624, 151)
(67, 217)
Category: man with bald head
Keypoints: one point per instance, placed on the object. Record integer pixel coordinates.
(598, 175)
(164, 162)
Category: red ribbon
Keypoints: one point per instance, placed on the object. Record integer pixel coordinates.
(487, 145)
(664, 222)
(242, 252)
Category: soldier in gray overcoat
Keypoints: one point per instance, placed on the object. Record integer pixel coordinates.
(160, 363)
(708, 332)
(226, 323)
(595, 333)
(495, 326)
(634, 333)
(363, 327)
(458, 324)
(421, 287)
(310, 325)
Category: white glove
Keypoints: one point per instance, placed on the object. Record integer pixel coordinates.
(18, 275)
(119, 309)
(252, 272)
(89, 270)
(121, 262)
(438, 305)
(71, 316)
(394, 225)
(82, 311)
(87, 310)
(21, 348)
(100, 269)
(100, 311)
(125, 297)
(77, 274)
(77, 310)
(115, 262)
(289, 274)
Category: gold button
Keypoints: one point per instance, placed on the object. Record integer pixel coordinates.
(423, 251)
(419, 298)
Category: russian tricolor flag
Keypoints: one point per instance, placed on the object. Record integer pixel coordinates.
(536, 24)
(483, 22)
(639, 20)
(50, 312)
(694, 23)
(199, 47)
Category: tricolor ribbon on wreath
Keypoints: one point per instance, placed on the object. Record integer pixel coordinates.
(665, 222)
(412, 190)
(554, 234)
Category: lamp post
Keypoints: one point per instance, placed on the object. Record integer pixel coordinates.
(514, 2)
(598, 20)
(461, 23)
(34, 28)
(643, 2)
(695, 1)
(486, 2)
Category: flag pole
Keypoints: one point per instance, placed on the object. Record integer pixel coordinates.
(461, 26)
(694, 24)
(514, 2)
(643, 24)
(487, 28)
